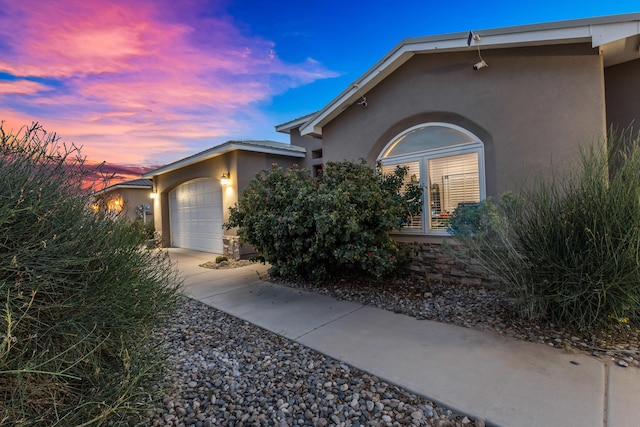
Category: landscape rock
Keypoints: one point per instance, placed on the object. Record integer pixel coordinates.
(223, 371)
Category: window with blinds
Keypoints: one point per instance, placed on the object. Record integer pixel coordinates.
(412, 177)
(453, 181)
(452, 161)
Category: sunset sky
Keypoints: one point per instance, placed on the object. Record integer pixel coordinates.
(141, 83)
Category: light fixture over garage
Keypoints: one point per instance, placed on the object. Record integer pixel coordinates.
(225, 179)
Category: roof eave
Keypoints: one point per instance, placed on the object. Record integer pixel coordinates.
(219, 150)
(118, 186)
(598, 31)
(293, 124)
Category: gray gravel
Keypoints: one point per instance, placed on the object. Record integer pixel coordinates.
(227, 372)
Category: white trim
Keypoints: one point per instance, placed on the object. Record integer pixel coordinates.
(475, 146)
(598, 31)
(268, 147)
(293, 124)
(451, 150)
(607, 33)
(395, 139)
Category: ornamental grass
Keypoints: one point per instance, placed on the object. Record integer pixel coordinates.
(79, 293)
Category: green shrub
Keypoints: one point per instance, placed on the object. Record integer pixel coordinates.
(79, 294)
(221, 258)
(466, 219)
(568, 248)
(337, 223)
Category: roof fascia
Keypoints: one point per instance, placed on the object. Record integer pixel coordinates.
(120, 186)
(293, 124)
(223, 149)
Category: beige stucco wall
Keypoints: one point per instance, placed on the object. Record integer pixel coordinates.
(530, 107)
(250, 163)
(133, 197)
(242, 167)
(163, 184)
(130, 199)
(622, 85)
(314, 155)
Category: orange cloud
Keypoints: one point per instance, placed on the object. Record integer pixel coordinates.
(147, 80)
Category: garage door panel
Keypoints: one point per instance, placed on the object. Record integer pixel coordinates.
(196, 216)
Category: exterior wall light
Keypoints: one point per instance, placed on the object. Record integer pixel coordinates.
(154, 195)
(225, 179)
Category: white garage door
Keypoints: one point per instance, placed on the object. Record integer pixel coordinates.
(195, 210)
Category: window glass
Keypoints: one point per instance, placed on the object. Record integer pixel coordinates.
(453, 181)
(451, 162)
(427, 138)
(412, 177)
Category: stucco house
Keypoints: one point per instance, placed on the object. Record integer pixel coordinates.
(192, 196)
(477, 113)
(129, 199)
(471, 114)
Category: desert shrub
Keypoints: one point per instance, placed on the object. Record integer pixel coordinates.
(568, 248)
(221, 258)
(148, 229)
(336, 223)
(79, 294)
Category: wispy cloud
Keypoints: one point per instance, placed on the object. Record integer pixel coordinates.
(137, 82)
(20, 87)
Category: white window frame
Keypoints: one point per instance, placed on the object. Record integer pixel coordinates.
(423, 157)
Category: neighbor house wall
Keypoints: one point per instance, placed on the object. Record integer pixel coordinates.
(622, 89)
(130, 199)
(134, 197)
(531, 107)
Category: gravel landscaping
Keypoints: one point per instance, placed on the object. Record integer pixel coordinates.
(228, 372)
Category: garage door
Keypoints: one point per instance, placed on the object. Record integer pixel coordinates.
(195, 211)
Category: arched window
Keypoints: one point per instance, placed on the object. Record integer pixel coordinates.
(447, 161)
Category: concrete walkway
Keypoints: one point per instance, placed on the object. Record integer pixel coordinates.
(480, 374)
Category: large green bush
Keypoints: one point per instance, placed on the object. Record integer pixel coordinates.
(79, 294)
(568, 249)
(336, 223)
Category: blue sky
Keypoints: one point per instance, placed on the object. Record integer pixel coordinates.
(144, 83)
(351, 40)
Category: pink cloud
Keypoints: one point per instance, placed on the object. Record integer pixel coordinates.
(101, 175)
(141, 80)
(63, 38)
(118, 141)
(20, 87)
